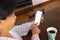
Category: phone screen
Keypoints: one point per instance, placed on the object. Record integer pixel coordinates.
(38, 16)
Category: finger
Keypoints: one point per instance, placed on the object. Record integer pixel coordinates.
(41, 21)
(42, 18)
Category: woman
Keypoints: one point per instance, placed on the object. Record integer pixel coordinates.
(7, 21)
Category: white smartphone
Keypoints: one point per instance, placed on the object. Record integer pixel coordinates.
(38, 16)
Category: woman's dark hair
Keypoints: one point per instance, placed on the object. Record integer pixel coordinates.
(6, 8)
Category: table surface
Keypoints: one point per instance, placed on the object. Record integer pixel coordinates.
(52, 19)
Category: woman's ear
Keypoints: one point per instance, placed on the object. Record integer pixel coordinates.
(0, 26)
(1, 22)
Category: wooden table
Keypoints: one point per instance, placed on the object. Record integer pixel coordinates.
(52, 19)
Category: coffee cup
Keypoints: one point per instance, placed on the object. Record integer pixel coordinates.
(52, 31)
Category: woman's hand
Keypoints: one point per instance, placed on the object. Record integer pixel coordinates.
(42, 19)
(35, 29)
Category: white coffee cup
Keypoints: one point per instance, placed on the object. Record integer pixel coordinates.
(52, 31)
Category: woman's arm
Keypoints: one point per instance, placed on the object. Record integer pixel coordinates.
(35, 37)
(35, 32)
(15, 35)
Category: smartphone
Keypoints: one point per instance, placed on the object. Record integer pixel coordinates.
(38, 16)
